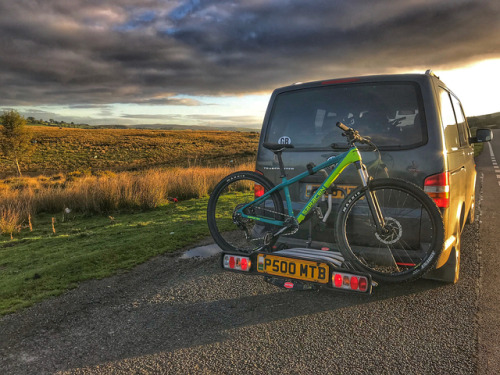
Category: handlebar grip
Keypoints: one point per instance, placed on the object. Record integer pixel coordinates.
(342, 126)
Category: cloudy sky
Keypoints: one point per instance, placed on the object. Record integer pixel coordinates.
(215, 62)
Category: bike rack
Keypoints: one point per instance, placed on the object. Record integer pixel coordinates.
(312, 254)
(338, 267)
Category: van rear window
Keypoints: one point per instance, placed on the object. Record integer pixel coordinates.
(390, 113)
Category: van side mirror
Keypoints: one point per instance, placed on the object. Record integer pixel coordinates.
(482, 135)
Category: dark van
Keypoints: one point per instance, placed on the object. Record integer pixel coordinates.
(419, 127)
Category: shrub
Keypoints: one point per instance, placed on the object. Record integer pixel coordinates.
(10, 221)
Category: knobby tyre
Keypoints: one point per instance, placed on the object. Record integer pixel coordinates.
(413, 237)
(229, 230)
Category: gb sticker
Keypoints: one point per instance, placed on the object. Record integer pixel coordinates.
(285, 141)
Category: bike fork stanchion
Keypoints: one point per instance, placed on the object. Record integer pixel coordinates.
(371, 198)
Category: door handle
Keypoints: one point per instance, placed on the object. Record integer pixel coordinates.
(458, 170)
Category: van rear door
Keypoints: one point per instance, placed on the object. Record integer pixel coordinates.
(390, 112)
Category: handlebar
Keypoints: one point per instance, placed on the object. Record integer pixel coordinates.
(343, 127)
(353, 135)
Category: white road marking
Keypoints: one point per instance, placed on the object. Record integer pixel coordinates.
(494, 162)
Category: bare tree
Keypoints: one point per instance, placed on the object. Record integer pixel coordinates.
(15, 138)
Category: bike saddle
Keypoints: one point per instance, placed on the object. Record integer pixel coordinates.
(276, 146)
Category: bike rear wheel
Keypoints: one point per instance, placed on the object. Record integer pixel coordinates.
(412, 239)
(232, 232)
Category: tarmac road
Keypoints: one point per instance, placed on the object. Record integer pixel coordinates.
(187, 316)
(489, 308)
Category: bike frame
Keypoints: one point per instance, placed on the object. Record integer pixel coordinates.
(352, 156)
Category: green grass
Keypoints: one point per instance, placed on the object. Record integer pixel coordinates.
(39, 264)
(478, 148)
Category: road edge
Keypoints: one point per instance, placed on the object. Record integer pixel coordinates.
(488, 313)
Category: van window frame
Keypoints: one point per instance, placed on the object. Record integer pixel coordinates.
(463, 127)
(444, 92)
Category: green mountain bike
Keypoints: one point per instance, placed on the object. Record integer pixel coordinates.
(386, 227)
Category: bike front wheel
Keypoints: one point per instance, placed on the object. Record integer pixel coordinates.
(234, 233)
(411, 240)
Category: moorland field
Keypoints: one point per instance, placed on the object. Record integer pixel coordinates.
(103, 170)
(59, 149)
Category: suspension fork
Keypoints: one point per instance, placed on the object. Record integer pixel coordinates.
(371, 198)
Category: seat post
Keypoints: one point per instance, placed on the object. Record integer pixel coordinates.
(278, 148)
(280, 162)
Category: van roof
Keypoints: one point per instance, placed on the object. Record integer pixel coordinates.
(429, 75)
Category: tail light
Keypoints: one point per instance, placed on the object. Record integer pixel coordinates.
(438, 188)
(258, 190)
(238, 263)
(351, 282)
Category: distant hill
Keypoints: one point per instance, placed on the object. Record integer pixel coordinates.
(63, 124)
(176, 127)
(486, 121)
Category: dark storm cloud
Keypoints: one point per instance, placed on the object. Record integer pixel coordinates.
(145, 51)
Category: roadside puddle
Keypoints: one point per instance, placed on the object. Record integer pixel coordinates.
(202, 252)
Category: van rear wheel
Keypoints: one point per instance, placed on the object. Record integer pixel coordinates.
(472, 212)
(451, 270)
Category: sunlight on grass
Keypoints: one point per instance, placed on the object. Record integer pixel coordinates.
(41, 264)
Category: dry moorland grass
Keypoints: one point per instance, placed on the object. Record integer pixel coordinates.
(66, 149)
(23, 198)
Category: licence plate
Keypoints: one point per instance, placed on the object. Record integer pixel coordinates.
(293, 268)
(337, 194)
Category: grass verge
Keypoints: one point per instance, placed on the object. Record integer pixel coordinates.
(478, 148)
(38, 264)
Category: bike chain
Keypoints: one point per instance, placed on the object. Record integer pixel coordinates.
(286, 217)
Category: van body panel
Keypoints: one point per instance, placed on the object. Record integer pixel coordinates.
(421, 142)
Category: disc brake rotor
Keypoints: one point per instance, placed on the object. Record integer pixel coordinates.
(393, 234)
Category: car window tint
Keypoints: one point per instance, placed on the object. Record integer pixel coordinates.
(463, 129)
(390, 113)
(449, 121)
